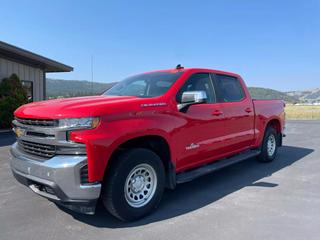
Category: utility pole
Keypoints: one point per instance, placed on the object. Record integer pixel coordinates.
(92, 74)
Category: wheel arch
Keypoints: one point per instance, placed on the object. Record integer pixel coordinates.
(155, 143)
(276, 124)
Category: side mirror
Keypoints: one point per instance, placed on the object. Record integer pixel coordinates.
(192, 97)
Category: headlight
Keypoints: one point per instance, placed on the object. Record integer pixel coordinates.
(79, 123)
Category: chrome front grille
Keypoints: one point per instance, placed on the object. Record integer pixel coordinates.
(44, 139)
(37, 122)
(39, 149)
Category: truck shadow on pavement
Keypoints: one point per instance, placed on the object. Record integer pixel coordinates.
(203, 191)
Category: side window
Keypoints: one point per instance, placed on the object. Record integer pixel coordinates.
(230, 89)
(198, 82)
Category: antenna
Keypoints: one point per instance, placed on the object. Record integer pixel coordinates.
(179, 67)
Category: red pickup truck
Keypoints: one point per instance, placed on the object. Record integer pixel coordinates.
(147, 133)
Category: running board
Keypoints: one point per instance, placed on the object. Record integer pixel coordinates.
(216, 165)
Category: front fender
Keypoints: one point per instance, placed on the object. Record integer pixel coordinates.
(104, 140)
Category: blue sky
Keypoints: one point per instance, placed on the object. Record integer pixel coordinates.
(273, 44)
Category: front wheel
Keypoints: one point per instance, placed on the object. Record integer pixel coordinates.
(269, 146)
(134, 185)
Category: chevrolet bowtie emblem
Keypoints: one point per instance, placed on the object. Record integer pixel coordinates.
(19, 131)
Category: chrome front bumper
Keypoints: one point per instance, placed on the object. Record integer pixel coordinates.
(57, 179)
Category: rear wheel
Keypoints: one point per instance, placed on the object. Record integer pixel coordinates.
(269, 146)
(134, 184)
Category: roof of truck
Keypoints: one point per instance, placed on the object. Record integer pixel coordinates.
(197, 70)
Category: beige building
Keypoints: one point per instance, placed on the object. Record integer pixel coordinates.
(30, 67)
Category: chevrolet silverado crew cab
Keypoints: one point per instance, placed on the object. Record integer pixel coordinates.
(147, 133)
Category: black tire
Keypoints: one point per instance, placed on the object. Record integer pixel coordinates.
(265, 156)
(113, 193)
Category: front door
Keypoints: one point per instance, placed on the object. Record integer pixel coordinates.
(199, 139)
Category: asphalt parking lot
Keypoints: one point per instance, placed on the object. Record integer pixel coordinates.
(249, 200)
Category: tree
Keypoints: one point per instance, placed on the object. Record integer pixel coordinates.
(12, 95)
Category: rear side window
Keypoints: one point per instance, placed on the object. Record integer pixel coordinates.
(230, 89)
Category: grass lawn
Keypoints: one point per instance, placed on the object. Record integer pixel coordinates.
(302, 112)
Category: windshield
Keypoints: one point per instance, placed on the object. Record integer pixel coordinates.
(144, 85)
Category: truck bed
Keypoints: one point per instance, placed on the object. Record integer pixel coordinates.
(268, 109)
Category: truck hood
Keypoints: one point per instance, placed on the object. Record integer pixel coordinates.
(73, 107)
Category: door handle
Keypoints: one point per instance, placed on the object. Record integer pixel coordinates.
(217, 113)
(248, 110)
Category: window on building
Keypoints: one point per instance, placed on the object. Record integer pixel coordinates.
(28, 85)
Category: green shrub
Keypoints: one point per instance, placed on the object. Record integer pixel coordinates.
(12, 95)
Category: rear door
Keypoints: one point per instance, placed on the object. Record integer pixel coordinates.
(238, 113)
